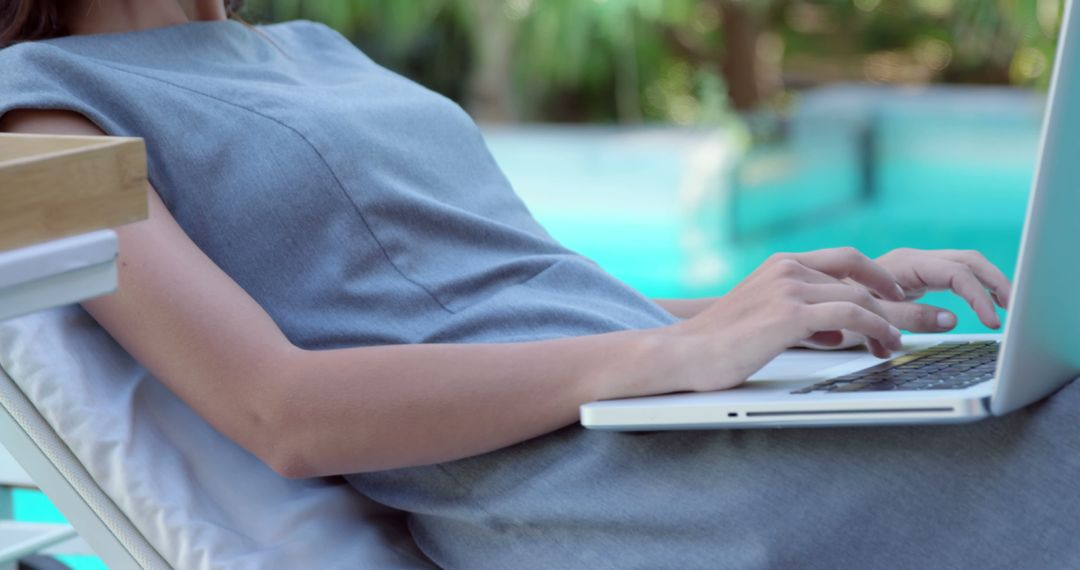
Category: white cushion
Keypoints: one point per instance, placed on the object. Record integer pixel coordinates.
(202, 501)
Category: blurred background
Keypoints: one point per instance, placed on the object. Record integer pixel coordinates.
(680, 142)
(687, 62)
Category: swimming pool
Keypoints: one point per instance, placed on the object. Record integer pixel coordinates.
(33, 506)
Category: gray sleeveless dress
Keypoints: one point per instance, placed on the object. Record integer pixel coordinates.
(359, 208)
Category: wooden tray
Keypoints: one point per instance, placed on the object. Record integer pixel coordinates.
(56, 186)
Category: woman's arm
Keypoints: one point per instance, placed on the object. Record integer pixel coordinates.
(308, 413)
(317, 412)
(685, 308)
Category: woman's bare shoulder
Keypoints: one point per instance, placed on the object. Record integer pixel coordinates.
(48, 121)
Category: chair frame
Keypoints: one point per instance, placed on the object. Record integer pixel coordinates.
(44, 472)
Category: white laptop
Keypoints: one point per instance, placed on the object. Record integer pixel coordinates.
(935, 378)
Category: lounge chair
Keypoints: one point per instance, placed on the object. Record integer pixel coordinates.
(149, 484)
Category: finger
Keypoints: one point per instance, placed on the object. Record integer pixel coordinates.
(958, 277)
(918, 318)
(843, 315)
(991, 277)
(846, 262)
(854, 339)
(877, 349)
(814, 293)
(827, 338)
(851, 339)
(790, 268)
(873, 345)
(833, 340)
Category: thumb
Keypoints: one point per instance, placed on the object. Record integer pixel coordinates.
(919, 318)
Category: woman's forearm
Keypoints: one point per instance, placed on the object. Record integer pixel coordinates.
(372, 408)
(685, 308)
(365, 409)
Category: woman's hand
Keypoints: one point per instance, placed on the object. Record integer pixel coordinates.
(967, 273)
(789, 299)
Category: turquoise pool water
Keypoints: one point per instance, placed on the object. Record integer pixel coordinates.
(33, 506)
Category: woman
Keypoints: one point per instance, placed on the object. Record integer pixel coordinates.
(336, 275)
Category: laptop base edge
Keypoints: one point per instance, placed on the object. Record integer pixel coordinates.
(949, 411)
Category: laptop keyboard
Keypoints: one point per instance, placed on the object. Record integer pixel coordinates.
(946, 366)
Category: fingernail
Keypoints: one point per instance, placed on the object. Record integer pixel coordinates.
(945, 320)
(900, 295)
(895, 332)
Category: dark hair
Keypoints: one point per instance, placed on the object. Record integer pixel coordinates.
(28, 20)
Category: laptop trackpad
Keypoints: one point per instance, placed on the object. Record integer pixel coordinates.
(803, 364)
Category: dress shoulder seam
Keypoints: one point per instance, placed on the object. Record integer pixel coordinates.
(315, 149)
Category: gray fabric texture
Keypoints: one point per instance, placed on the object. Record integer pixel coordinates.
(359, 209)
(1000, 494)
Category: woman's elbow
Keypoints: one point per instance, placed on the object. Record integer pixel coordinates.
(288, 463)
(274, 432)
(278, 444)
(272, 439)
(304, 427)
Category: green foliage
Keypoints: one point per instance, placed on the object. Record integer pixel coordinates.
(970, 41)
(631, 60)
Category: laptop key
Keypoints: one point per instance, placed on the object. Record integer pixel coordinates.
(946, 366)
